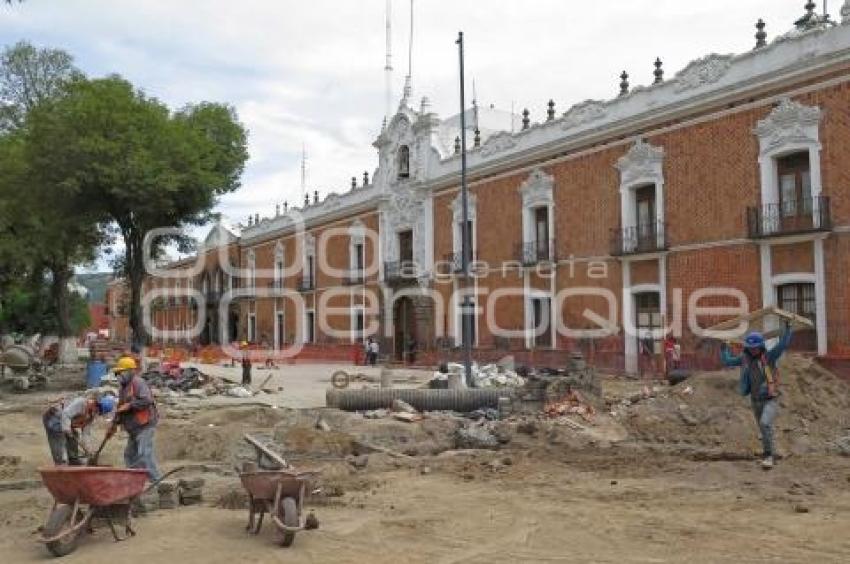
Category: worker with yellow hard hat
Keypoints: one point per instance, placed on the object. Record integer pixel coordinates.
(137, 413)
(246, 363)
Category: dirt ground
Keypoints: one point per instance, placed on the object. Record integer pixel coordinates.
(669, 478)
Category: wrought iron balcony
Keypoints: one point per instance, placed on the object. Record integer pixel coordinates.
(535, 252)
(644, 238)
(789, 218)
(354, 278)
(456, 260)
(305, 284)
(400, 271)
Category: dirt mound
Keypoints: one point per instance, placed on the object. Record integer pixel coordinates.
(707, 411)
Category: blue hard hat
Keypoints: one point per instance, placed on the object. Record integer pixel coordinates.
(106, 404)
(754, 340)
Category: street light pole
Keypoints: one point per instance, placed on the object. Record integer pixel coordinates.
(464, 230)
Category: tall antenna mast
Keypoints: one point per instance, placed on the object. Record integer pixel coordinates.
(410, 46)
(388, 67)
(303, 171)
(407, 87)
(474, 105)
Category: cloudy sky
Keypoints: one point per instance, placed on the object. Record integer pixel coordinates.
(311, 72)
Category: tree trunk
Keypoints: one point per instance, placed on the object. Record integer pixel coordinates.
(135, 272)
(62, 275)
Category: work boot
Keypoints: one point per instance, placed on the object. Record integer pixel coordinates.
(767, 462)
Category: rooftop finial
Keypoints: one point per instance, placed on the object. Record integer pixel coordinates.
(457, 145)
(624, 83)
(277, 210)
(811, 20)
(353, 182)
(250, 221)
(477, 137)
(366, 178)
(550, 113)
(761, 36)
(525, 120)
(659, 71)
(285, 206)
(315, 196)
(306, 199)
(256, 219)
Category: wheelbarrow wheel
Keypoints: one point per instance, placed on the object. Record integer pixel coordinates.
(290, 518)
(59, 520)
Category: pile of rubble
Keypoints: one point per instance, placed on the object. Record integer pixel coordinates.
(572, 403)
(500, 375)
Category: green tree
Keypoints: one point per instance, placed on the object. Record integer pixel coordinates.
(29, 76)
(141, 165)
(48, 228)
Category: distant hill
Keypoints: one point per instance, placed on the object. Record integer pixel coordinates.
(95, 283)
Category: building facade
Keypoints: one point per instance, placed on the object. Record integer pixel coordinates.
(723, 189)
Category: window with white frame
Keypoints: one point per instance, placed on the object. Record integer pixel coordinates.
(538, 207)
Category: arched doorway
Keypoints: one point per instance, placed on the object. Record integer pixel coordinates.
(404, 324)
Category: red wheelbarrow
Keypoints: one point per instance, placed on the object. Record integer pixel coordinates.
(81, 493)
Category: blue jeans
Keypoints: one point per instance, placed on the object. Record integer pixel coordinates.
(765, 412)
(139, 452)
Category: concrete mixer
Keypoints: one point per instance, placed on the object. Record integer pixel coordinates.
(21, 365)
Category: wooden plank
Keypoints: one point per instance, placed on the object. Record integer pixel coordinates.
(755, 319)
(273, 456)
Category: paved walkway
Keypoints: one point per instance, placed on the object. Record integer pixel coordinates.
(303, 385)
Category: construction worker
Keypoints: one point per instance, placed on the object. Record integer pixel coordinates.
(760, 380)
(137, 413)
(246, 364)
(68, 426)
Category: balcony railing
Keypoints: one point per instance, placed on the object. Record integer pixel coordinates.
(789, 218)
(275, 284)
(305, 284)
(399, 271)
(535, 252)
(456, 260)
(643, 238)
(354, 278)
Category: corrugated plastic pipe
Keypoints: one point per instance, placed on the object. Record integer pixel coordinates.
(464, 400)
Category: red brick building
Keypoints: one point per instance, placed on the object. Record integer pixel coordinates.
(724, 186)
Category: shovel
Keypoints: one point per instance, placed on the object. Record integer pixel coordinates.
(93, 458)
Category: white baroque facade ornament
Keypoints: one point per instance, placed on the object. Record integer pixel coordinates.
(706, 70)
(789, 125)
(585, 112)
(642, 162)
(498, 143)
(537, 189)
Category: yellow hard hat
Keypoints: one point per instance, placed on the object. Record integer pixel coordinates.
(124, 363)
(244, 344)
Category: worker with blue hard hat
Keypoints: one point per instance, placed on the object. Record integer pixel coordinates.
(759, 379)
(68, 424)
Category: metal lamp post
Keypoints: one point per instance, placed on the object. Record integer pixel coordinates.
(465, 239)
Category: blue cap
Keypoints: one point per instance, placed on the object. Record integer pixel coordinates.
(105, 404)
(754, 340)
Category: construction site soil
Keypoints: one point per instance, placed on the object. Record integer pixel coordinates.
(668, 476)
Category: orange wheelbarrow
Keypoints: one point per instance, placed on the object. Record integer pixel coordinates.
(81, 493)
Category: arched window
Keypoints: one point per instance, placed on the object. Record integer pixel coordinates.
(403, 162)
